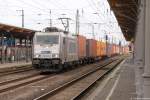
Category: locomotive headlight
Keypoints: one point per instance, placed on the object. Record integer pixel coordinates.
(36, 56)
(56, 55)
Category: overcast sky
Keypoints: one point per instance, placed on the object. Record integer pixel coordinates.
(37, 15)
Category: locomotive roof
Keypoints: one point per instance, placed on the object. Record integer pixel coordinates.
(53, 29)
(53, 33)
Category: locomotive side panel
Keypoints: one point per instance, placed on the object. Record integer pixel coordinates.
(72, 53)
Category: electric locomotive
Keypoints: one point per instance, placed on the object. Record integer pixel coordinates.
(54, 50)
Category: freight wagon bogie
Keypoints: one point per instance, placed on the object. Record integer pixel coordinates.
(91, 50)
(82, 49)
(82, 61)
(47, 64)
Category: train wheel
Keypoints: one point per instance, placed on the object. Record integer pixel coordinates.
(76, 64)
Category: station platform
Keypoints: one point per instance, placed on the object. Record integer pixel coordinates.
(15, 64)
(124, 87)
(119, 85)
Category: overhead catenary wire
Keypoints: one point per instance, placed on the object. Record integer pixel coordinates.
(34, 7)
(45, 9)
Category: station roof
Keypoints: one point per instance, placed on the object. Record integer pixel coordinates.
(126, 12)
(16, 32)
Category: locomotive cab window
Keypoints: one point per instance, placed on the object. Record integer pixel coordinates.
(47, 39)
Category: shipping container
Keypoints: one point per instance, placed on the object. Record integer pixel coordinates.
(109, 52)
(103, 49)
(81, 47)
(113, 49)
(98, 50)
(125, 50)
(91, 48)
(117, 49)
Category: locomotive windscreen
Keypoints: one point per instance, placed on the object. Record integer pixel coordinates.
(47, 39)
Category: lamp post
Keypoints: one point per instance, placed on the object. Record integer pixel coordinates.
(22, 14)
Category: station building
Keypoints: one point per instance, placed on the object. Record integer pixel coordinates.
(15, 44)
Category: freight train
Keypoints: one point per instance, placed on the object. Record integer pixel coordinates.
(55, 50)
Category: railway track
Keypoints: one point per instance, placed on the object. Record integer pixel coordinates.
(37, 85)
(15, 71)
(20, 82)
(18, 79)
(74, 88)
(8, 71)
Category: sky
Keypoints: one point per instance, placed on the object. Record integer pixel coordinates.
(93, 15)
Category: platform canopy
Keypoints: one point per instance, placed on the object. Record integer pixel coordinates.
(126, 12)
(16, 32)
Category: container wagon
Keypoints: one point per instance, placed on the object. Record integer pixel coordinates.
(91, 50)
(103, 49)
(109, 52)
(82, 49)
(98, 50)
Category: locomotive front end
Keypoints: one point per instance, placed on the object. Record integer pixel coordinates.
(46, 48)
